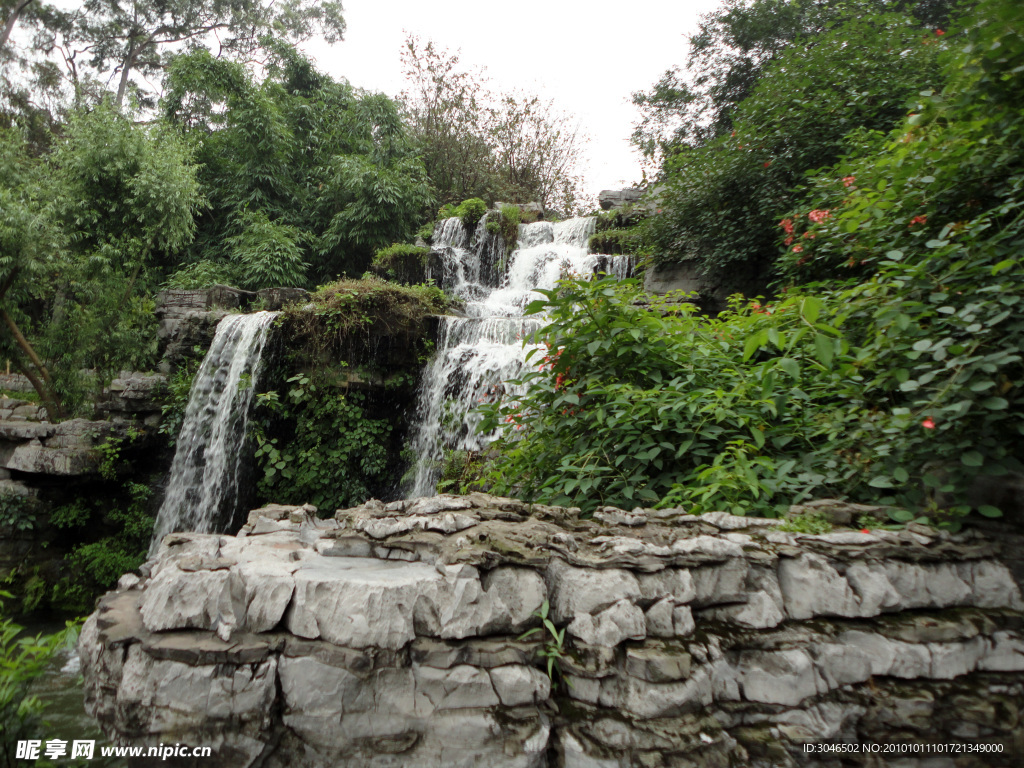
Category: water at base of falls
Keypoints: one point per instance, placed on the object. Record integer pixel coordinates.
(203, 484)
(479, 353)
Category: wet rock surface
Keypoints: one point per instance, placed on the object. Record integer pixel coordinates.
(393, 635)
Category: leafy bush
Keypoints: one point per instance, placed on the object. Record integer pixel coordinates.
(267, 254)
(471, 211)
(23, 660)
(333, 454)
(95, 567)
(630, 405)
(202, 274)
(402, 263)
(613, 241)
(933, 223)
(18, 513)
(719, 202)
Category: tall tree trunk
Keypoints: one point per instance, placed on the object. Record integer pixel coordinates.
(126, 67)
(40, 383)
(12, 20)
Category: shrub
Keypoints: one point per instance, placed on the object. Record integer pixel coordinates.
(23, 660)
(742, 412)
(615, 241)
(333, 455)
(402, 263)
(267, 254)
(202, 274)
(470, 211)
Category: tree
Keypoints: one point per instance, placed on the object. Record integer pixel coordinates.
(732, 47)
(444, 106)
(84, 235)
(296, 164)
(721, 201)
(475, 143)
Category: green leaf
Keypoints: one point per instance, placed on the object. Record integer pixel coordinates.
(824, 350)
(901, 515)
(810, 308)
(972, 459)
(989, 511)
(790, 366)
(995, 403)
(901, 475)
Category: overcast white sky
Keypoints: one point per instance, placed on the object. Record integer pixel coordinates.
(588, 57)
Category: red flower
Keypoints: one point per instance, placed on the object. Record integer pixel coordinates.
(848, 180)
(798, 249)
(928, 423)
(939, 32)
(788, 240)
(769, 162)
(917, 220)
(787, 226)
(819, 215)
(864, 530)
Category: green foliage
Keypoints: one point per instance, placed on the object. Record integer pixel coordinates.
(95, 567)
(401, 263)
(462, 472)
(349, 311)
(88, 231)
(470, 211)
(933, 223)
(298, 167)
(73, 515)
(815, 523)
(265, 253)
(332, 454)
(720, 201)
(614, 241)
(730, 52)
(426, 232)
(203, 274)
(23, 660)
(175, 402)
(632, 405)
(18, 514)
(553, 650)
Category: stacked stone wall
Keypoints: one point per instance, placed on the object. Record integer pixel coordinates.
(393, 635)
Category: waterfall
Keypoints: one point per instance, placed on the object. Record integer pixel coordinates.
(477, 354)
(202, 489)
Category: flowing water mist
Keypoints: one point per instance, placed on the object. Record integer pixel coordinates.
(203, 485)
(478, 353)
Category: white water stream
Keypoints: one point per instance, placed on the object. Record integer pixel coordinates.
(203, 485)
(478, 354)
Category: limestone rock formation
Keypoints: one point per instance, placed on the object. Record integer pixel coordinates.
(392, 635)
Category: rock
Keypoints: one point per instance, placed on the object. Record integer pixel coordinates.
(610, 199)
(620, 621)
(314, 642)
(658, 664)
(517, 685)
(675, 583)
(838, 513)
(780, 677)
(578, 591)
(812, 587)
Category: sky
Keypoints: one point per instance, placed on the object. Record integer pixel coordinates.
(587, 57)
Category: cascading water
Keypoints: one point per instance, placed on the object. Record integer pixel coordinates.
(477, 354)
(203, 485)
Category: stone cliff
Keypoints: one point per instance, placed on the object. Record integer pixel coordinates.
(391, 635)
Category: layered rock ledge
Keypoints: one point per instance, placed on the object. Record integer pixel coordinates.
(391, 635)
